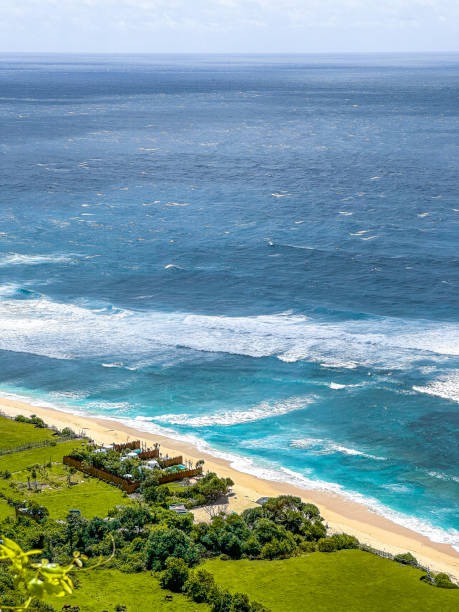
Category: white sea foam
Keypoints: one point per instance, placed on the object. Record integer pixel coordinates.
(443, 476)
(33, 260)
(336, 386)
(264, 410)
(318, 446)
(42, 326)
(446, 387)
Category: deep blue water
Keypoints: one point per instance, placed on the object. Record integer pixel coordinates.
(259, 252)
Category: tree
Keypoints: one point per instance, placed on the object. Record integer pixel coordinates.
(240, 603)
(175, 575)
(163, 543)
(199, 585)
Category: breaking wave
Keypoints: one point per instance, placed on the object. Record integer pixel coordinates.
(264, 410)
(446, 387)
(318, 446)
(45, 327)
(33, 260)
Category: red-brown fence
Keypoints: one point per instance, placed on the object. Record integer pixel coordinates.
(135, 444)
(150, 454)
(127, 485)
(180, 475)
(164, 463)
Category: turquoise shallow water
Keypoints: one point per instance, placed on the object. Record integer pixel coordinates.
(257, 253)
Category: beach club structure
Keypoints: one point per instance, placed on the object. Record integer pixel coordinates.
(148, 460)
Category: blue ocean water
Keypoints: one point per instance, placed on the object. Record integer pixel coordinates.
(260, 253)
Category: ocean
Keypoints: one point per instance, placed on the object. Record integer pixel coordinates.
(255, 253)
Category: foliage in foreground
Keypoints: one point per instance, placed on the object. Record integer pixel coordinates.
(36, 579)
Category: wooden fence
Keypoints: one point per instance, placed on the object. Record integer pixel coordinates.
(180, 475)
(150, 454)
(134, 445)
(129, 486)
(164, 463)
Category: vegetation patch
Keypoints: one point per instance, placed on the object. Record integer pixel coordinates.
(14, 434)
(342, 581)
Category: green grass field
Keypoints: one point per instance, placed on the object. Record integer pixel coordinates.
(349, 580)
(19, 461)
(93, 497)
(104, 589)
(5, 510)
(13, 434)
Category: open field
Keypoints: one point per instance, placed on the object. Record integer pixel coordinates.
(342, 581)
(5, 510)
(13, 434)
(91, 496)
(19, 461)
(104, 589)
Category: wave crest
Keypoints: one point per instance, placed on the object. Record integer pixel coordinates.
(264, 410)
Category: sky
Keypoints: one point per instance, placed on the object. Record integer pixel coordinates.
(229, 26)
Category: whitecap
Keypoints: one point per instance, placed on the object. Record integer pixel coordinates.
(30, 260)
(264, 410)
(319, 446)
(447, 387)
(43, 326)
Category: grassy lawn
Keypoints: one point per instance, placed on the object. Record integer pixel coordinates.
(91, 496)
(19, 461)
(5, 510)
(344, 581)
(104, 589)
(13, 434)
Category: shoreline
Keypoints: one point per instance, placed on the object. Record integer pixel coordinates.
(340, 513)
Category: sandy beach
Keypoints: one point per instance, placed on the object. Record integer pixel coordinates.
(339, 513)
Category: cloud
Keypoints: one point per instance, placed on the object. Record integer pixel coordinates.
(265, 20)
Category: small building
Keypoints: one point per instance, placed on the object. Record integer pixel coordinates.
(178, 508)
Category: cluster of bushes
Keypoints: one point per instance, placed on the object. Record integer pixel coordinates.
(441, 580)
(200, 586)
(33, 420)
(280, 528)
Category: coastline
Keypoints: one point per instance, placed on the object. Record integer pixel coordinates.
(340, 513)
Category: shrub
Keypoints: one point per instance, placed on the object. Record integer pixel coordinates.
(67, 432)
(220, 600)
(308, 547)
(251, 547)
(406, 559)
(240, 603)
(444, 582)
(199, 586)
(343, 540)
(278, 549)
(326, 545)
(175, 575)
